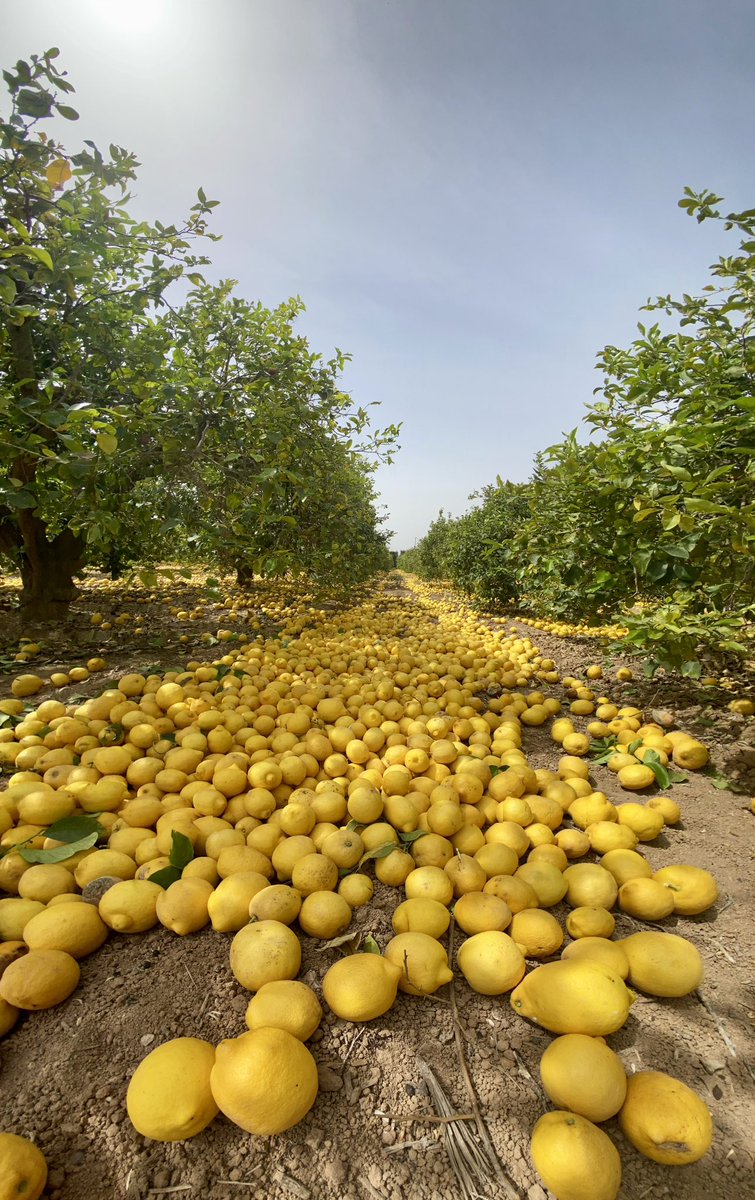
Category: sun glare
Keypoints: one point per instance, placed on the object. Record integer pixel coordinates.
(131, 16)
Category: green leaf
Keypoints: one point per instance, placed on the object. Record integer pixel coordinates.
(107, 442)
(379, 852)
(165, 877)
(68, 113)
(70, 829)
(370, 946)
(408, 838)
(59, 853)
(40, 254)
(353, 826)
(34, 103)
(181, 850)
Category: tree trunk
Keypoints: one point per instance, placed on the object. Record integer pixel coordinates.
(47, 571)
(244, 574)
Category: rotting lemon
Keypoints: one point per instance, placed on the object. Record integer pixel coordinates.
(665, 1120)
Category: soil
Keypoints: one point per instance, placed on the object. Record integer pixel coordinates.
(64, 1072)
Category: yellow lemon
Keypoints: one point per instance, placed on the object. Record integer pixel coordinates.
(265, 951)
(183, 907)
(491, 962)
(537, 933)
(645, 822)
(23, 1169)
(40, 979)
(599, 949)
(584, 1075)
(663, 964)
(590, 920)
(265, 1081)
(9, 1014)
(285, 1004)
(625, 865)
(645, 898)
(131, 906)
(590, 884)
(169, 1097)
(228, 904)
(575, 1159)
(356, 889)
(423, 963)
(478, 912)
(324, 914)
(76, 928)
(277, 902)
(574, 996)
(665, 1120)
(15, 913)
(693, 888)
(431, 883)
(361, 987)
(421, 915)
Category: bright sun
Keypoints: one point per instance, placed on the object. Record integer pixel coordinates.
(131, 15)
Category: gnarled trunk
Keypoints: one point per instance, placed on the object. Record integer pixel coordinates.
(47, 571)
(244, 574)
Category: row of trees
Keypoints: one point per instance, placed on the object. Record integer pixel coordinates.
(651, 522)
(144, 412)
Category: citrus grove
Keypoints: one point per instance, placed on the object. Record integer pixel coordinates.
(271, 794)
(440, 892)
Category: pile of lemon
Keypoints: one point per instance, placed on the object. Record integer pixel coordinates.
(389, 740)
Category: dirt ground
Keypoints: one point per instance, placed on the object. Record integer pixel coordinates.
(64, 1072)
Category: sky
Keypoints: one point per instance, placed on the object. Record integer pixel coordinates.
(472, 197)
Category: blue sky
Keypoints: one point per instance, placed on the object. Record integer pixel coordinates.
(471, 196)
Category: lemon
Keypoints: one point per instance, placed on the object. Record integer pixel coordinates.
(645, 898)
(625, 865)
(40, 979)
(76, 928)
(101, 863)
(228, 904)
(183, 907)
(26, 685)
(491, 962)
(44, 881)
(10, 951)
(356, 889)
(645, 822)
(694, 889)
(265, 951)
(516, 893)
(590, 884)
(285, 1004)
(478, 912)
(169, 1097)
(429, 883)
(590, 920)
(537, 933)
(689, 754)
(422, 961)
(361, 987)
(23, 1169)
(665, 1120)
(9, 1014)
(574, 996)
(548, 883)
(421, 915)
(265, 1081)
(130, 906)
(575, 1159)
(277, 902)
(601, 950)
(324, 914)
(584, 1075)
(14, 915)
(610, 835)
(663, 964)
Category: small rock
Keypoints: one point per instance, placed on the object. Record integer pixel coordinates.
(536, 1192)
(239, 1003)
(713, 1064)
(334, 1171)
(56, 1179)
(330, 1080)
(662, 716)
(388, 1136)
(146, 1039)
(374, 1175)
(161, 1179)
